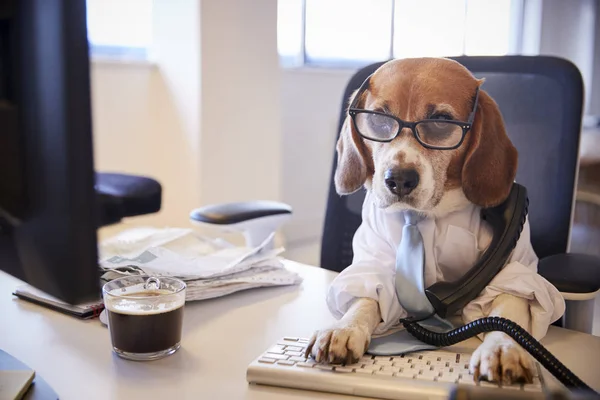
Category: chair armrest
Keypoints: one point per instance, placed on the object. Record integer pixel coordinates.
(572, 273)
(120, 196)
(257, 220)
(233, 213)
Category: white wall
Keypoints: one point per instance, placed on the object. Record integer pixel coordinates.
(145, 117)
(240, 107)
(568, 30)
(138, 129)
(310, 105)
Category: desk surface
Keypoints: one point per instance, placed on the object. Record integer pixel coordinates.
(220, 338)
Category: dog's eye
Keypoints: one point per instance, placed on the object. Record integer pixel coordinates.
(445, 117)
(439, 133)
(377, 126)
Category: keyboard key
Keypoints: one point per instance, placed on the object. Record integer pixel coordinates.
(428, 372)
(384, 373)
(406, 374)
(293, 348)
(384, 362)
(284, 343)
(303, 340)
(344, 369)
(364, 371)
(366, 359)
(290, 339)
(285, 362)
(450, 375)
(298, 359)
(305, 364)
(294, 353)
(427, 376)
(275, 351)
(324, 367)
(447, 379)
(266, 360)
(277, 356)
(464, 358)
(372, 367)
(383, 358)
(443, 356)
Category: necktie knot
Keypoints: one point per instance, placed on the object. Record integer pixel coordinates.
(412, 217)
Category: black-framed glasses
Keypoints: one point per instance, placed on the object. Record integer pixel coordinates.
(440, 134)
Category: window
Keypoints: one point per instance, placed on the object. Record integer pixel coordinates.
(355, 32)
(120, 28)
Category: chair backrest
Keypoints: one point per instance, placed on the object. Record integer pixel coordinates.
(541, 101)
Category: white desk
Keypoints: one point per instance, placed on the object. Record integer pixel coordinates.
(220, 338)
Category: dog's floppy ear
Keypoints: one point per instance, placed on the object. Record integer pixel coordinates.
(354, 163)
(490, 163)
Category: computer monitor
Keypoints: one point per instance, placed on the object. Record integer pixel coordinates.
(47, 199)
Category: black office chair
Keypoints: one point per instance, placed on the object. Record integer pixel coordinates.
(541, 101)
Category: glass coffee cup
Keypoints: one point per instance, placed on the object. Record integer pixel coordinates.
(145, 316)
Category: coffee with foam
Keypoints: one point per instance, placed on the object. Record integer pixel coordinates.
(130, 302)
(146, 321)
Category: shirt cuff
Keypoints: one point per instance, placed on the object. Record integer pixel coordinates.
(546, 304)
(351, 285)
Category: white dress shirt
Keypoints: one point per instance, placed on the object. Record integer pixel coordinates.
(452, 244)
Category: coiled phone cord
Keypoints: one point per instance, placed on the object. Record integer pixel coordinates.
(491, 324)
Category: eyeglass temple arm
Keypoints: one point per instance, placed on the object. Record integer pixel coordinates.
(364, 86)
(472, 114)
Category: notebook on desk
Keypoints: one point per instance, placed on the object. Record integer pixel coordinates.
(83, 311)
(14, 384)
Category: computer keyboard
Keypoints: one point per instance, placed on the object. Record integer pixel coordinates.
(424, 374)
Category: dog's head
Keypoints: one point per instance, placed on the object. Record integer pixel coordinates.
(406, 172)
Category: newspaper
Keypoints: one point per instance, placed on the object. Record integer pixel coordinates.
(210, 267)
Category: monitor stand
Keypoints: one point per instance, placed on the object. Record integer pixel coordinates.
(38, 390)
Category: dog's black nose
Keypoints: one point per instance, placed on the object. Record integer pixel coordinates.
(401, 181)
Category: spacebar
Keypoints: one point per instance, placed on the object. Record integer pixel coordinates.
(400, 389)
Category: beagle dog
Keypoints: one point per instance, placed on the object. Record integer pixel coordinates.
(447, 174)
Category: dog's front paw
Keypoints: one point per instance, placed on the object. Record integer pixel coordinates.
(501, 359)
(340, 345)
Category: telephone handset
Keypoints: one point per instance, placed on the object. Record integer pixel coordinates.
(506, 220)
